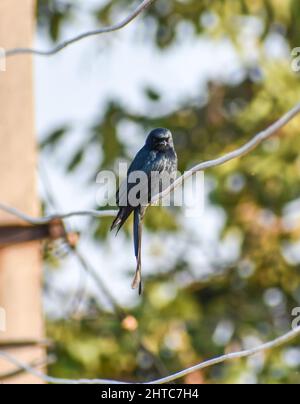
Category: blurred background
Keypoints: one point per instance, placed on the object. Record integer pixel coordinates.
(215, 73)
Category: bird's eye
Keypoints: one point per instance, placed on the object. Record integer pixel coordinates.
(163, 139)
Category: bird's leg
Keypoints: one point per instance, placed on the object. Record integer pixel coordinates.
(139, 214)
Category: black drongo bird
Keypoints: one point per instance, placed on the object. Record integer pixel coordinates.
(152, 170)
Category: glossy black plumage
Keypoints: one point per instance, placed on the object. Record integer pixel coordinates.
(158, 156)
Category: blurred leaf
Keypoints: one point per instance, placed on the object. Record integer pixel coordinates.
(76, 160)
(201, 304)
(55, 137)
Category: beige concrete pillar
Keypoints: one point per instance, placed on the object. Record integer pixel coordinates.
(20, 267)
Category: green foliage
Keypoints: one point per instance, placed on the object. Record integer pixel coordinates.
(52, 14)
(179, 314)
(54, 138)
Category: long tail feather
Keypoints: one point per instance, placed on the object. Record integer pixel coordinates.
(137, 234)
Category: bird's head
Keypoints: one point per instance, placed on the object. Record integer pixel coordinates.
(160, 139)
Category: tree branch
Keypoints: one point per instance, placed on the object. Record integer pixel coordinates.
(289, 336)
(18, 51)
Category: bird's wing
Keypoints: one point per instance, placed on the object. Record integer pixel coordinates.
(137, 164)
(153, 165)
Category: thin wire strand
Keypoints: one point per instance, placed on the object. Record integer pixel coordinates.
(284, 339)
(229, 357)
(240, 152)
(19, 51)
(89, 270)
(249, 146)
(42, 363)
(48, 219)
(86, 267)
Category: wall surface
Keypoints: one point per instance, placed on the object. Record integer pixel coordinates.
(20, 267)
